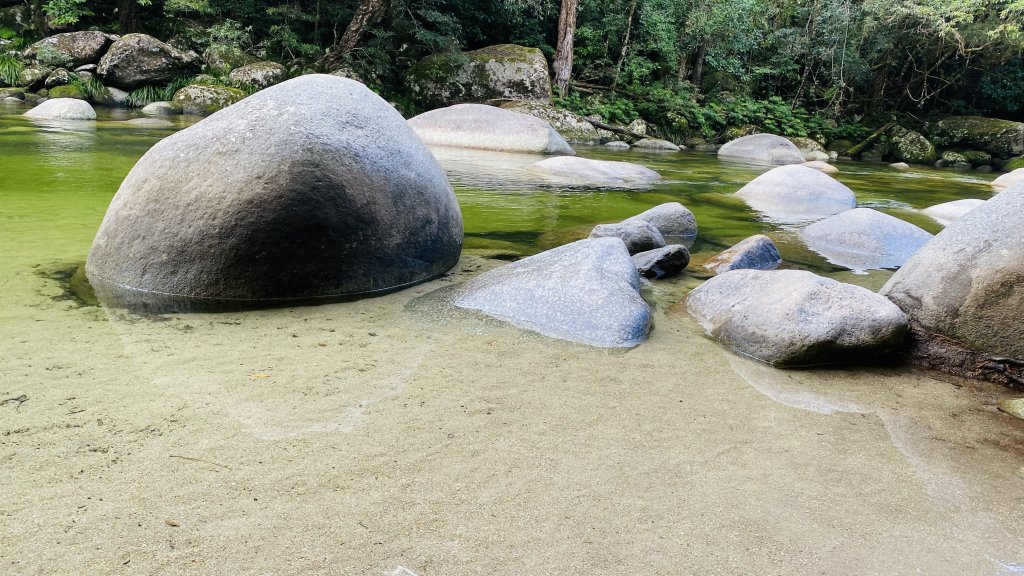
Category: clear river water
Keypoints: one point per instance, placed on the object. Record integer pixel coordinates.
(390, 436)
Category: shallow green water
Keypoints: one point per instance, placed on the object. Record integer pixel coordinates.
(56, 181)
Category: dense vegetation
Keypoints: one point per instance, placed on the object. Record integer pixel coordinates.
(692, 67)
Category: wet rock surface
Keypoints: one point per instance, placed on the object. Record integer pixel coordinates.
(595, 171)
(663, 262)
(762, 149)
(795, 318)
(797, 193)
(755, 253)
(586, 292)
(865, 239)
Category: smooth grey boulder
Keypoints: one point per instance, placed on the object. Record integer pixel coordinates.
(675, 222)
(62, 109)
(586, 292)
(639, 235)
(754, 253)
(308, 191)
(594, 171)
(138, 59)
(489, 128)
(796, 318)
(260, 74)
(762, 149)
(947, 212)
(968, 282)
(1004, 181)
(821, 166)
(71, 48)
(617, 145)
(656, 144)
(573, 127)
(663, 262)
(161, 109)
(865, 239)
(797, 193)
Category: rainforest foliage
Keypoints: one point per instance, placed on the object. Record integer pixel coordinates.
(691, 66)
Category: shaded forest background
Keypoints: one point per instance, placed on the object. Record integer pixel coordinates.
(689, 66)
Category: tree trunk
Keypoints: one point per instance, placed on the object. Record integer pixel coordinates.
(698, 64)
(625, 44)
(128, 16)
(38, 16)
(563, 52)
(369, 13)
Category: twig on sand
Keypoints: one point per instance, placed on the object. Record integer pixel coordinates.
(19, 399)
(199, 460)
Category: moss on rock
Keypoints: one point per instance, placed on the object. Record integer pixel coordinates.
(502, 72)
(1001, 138)
(68, 91)
(912, 147)
(204, 99)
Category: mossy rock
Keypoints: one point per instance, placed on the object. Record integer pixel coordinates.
(33, 77)
(226, 58)
(841, 146)
(12, 93)
(573, 127)
(912, 147)
(68, 91)
(203, 99)
(977, 158)
(1013, 164)
(735, 132)
(502, 72)
(1001, 138)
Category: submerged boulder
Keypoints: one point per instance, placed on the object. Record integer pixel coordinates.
(586, 292)
(821, 166)
(797, 193)
(656, 144)
(968, 282)
(796, 318)
(488, 128)
(62, 109)
(202, 99)
(501, 72)
(161, 109)
(673, 220)
(754, 253)
(662, 262)
(579, 169)
(71, 48)
(1002, 138)
(138, 59)
(260, 74)
(864, 239)
(639, 235)
(311, 190)
(573, 127)
(947, 212)
(762, 149)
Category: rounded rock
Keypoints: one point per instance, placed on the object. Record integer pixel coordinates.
(594, 171)
(312, 190)
(62, 109)
(762, 149)
(797, 193)
(865, 239)
(483, 127)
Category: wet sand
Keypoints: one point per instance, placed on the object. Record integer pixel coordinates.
(362, 437)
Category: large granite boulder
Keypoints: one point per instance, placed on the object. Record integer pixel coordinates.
(1004, 181)
(260, 74)
(796, 318)
(865, 239)
(947, 212)
(912, 147)
(601, 172)
(796, 193)
(202, 99)
(573, 127)
(488, 128)
(62, 109)
(502, 72)
(754, 253)
(1001, 138)
(314, 189)
(638, 235)
(71, 48)
(762, 149)
(967, 284)
(135, 60)
(675, 222)
(586, 292)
